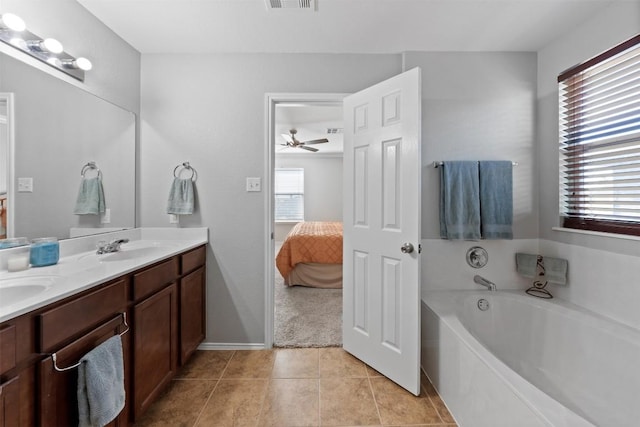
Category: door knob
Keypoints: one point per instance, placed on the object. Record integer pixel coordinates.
(406, 248)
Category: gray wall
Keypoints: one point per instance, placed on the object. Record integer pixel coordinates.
(619, 22)
(210, 110)
(322, 188)
(478, 106)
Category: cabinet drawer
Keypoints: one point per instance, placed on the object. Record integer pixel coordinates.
(154, 278)
(193, 259)
(66, 321)
(7, 348)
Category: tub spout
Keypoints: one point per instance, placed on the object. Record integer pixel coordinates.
(484, 282)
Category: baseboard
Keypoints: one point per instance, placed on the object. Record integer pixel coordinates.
(230, 346)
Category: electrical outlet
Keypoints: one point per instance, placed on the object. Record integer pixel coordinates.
(25, 185)
(254, 184)
(106, 216)
(173, 219)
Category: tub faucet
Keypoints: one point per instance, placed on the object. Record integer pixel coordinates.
(484, 282)
(112, 246)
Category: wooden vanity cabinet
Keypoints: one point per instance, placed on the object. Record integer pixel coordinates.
(155, 313)
(192, 302)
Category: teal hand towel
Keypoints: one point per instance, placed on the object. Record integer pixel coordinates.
(459, 201)
(90, 200)
(101, 394)
(526, 264)
(181, 198)
(556, 269)
(496, 199)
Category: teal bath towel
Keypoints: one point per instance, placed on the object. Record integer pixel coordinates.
(556, 269)
(496, 199)
(90, 199)
(459, 201)
(181, 198)
(101, 394)
(526, 264)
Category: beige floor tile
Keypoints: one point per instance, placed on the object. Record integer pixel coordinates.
(234, 403)
(347, 401)
(180, 405)
(291, 402)
(296, 363)
(335, 362)
(441, 408)
(250, 364)
(372, 372)
(206, 365)
(397, 406)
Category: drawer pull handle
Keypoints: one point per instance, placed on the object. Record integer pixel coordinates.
(54, 356)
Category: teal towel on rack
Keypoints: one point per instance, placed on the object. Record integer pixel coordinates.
(459, 200)
(181, 198)
(90, 199)
(556, 269)
(496, 199)
(526, 264)
(101, 394)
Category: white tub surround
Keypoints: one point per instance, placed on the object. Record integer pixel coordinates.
(80, 268)
(529, 362)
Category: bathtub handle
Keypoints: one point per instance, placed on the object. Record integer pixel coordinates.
(406, 248)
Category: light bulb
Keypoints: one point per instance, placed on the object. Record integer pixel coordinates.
(83, 63)
(12, 22)
(80, 63)
(52, 45)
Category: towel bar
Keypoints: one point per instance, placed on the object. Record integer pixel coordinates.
(54, 356)
(186, 165)
(440, 163)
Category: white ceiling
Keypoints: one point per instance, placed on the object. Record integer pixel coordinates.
(342, 26)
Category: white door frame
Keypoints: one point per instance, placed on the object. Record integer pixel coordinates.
(9, 121)
(271, 101)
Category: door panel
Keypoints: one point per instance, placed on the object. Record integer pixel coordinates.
(381, 322)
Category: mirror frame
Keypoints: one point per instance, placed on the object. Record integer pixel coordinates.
(8, 98)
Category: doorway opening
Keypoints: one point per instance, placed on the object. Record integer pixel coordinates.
(304, 187)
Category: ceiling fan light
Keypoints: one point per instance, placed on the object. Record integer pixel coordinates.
(12, 22)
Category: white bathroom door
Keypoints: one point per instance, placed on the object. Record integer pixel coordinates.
(381, 263)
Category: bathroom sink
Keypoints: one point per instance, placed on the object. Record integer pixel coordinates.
(125, 254)
(15, 290)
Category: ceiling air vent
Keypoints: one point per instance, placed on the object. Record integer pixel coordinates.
(291, 5)
(334, 130)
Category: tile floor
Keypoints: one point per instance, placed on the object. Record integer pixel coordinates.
(290, 387)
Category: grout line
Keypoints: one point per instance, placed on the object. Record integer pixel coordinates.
(375, 401)
(206, 403)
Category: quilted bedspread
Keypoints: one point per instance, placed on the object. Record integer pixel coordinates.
(312, 241)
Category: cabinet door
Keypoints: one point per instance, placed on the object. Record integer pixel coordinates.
(192, 313)
(58, 390)
(10, 403)
(155, 346)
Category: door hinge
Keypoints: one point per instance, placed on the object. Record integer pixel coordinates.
(419, 248)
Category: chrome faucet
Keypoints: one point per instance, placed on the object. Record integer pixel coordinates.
(484, 282)
(113, 246)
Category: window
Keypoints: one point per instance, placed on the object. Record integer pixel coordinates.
(289, 195)
(600, 142)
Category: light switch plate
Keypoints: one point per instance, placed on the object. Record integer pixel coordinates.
(106, 216)
(254, 184)
(173, 219)
(25, 185)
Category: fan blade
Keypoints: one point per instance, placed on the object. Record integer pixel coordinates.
(287, 137)
(316, 141)
(308, 148)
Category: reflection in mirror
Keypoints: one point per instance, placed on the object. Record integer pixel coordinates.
(59, 128)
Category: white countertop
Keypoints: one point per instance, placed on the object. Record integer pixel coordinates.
(80, 268)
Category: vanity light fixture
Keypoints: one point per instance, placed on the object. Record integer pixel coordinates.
(13, 31)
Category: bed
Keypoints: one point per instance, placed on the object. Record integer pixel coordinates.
(311, 255)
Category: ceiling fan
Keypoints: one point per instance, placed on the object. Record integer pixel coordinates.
(294, 143)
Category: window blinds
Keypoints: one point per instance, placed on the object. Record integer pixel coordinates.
(600, 142)
(289, 194)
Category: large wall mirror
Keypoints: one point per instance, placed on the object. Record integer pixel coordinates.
(57, 129)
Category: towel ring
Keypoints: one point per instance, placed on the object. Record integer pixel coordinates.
(91, 166)
(186, 165)
(54, 356)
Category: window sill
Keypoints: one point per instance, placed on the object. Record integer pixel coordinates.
(597, 233)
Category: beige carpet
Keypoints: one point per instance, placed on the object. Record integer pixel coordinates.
(307, 317)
